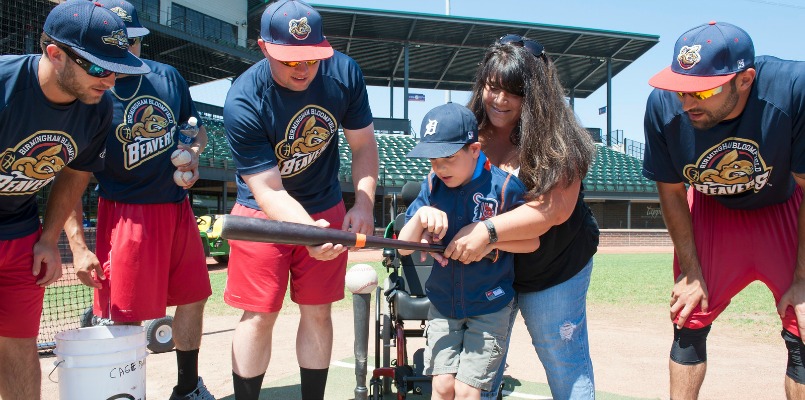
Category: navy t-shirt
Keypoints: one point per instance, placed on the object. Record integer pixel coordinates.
(746, 162)
(149, 110)
(460, 290)
(270, 126)
(38, 139)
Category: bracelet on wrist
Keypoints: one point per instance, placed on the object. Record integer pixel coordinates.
(490, 229)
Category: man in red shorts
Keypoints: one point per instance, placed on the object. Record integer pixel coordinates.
(149, 252)
(54, 115)
(732, 127)
(282, 118)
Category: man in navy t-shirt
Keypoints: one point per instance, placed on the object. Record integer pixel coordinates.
(282, 118)
(54, 115)
(731, 127)
(149, 252)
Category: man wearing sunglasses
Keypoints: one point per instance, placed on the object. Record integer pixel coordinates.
(731, 126)
(147, 238)
(54, 115)
(282, 118)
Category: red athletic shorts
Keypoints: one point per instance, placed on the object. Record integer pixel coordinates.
(737, 247)
(152, 258)
(258, 272)
(20, 296)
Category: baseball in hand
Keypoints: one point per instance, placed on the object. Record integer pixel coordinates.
(182, 178)
(181, 157)
(361, 279)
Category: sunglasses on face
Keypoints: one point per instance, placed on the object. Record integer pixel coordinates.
(90, 68)
(532, 46)
(133, 41)
(294, 64)
(702, 95)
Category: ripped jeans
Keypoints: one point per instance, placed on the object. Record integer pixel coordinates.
(556, 319)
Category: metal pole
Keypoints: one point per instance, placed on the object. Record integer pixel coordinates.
(609, 102)
(360, 309)
(405, 85)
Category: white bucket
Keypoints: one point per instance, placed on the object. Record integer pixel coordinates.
(101, 362)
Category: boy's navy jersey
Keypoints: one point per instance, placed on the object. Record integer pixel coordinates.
(270, 126)
(745, 162)
(461, 290)
(146, 123)
(40, 138)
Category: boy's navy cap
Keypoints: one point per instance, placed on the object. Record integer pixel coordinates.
(445, 130)
(128, 14)
(94, 33)
(292, 31)
(706, 57)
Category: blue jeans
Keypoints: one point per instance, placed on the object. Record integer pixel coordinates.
(556, 319)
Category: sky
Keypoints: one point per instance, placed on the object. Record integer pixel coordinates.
(777, 28)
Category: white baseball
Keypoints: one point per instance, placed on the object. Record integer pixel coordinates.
(361, 279)
(182, 178)
(181, 157)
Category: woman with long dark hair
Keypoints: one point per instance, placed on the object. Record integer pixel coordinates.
(527, 127)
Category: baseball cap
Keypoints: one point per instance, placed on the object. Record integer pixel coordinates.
(128, 14)
(445, 130)
(292, 31)
(706, 57)
(95, 33)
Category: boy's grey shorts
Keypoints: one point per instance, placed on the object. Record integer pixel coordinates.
(471, 348)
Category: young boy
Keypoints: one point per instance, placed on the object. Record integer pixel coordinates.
(470, 304)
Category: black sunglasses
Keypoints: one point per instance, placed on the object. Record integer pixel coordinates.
(532, 46)
(133, 41)
(90, 68)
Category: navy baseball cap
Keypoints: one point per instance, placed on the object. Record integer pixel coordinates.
(95, 33)
(445, 130)
(706, 57)
(292, 31)
(128, 14)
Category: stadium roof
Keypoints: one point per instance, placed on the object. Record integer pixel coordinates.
(444, 51)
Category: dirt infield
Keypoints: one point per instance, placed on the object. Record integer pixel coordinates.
(629, 349)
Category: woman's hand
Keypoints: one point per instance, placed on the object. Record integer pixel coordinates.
(470, 244)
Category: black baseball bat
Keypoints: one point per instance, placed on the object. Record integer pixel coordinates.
(269, 231)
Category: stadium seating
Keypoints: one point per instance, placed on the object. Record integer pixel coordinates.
(611, 171)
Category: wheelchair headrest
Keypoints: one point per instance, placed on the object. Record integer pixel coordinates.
(410, 191)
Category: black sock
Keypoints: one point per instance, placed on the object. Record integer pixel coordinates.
(247, 388)
(313, 383)
(187, 368)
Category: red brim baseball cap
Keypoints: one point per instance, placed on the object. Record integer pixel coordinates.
(292, 31)
(284, 52)
(706, 57)
(667, 79)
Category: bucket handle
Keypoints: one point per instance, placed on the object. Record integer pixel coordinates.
(50, 375)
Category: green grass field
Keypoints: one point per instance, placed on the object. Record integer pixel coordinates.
(629, 281)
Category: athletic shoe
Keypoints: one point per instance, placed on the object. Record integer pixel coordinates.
(199, 393)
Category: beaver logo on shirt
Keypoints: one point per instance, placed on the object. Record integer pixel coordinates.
(730, 167)
(146, 131)
(485, 207)
(308, 134)
(34, 162)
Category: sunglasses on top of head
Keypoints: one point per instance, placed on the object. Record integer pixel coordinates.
(532, 46)
(90, 68)
(294, 64)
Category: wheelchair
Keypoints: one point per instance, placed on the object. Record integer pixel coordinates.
(405, 303)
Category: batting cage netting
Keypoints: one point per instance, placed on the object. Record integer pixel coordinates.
(200, 47)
